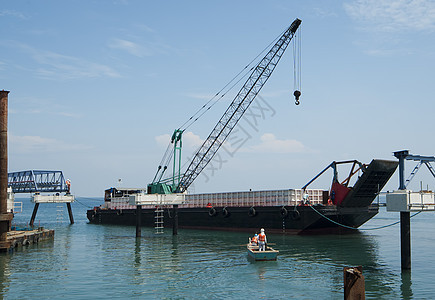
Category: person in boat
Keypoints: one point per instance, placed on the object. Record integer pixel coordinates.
(254, 240)
(262, 240)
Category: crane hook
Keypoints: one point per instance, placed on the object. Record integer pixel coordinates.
(297, 94)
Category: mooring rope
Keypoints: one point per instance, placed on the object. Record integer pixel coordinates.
(76, 199)
(82, 204)
(87, 198)
(349, 227)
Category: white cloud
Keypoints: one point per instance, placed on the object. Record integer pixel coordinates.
(44, 110)
(393, 15)
(163, 140)
(12, 13)
(38, 144)
(36, 105)
(324, 12)
(68, 67)
(58, 66)
(130, 47)
(190, 140)
(145, 28)
(270, 144)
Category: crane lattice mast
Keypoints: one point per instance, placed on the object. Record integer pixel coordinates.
(237, 108)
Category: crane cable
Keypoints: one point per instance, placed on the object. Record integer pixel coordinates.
(215, 99)
(297, 66)
(230, 85)
(162, 162)
(167, 157)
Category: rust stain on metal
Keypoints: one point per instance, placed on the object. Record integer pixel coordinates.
(5, 217)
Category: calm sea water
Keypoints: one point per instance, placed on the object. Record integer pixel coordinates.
(96, 261)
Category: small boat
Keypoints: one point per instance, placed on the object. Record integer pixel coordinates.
(269, 254)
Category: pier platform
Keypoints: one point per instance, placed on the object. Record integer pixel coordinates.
(20, 238)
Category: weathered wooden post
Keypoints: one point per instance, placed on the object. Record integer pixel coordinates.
(354, 284)
(5, 217)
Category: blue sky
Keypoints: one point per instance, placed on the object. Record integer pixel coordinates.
(96, 87)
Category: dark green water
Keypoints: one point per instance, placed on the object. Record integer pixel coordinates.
(94, 261)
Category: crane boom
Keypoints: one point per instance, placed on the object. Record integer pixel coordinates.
(237, 108)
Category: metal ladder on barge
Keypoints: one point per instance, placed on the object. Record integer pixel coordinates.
(158, 216)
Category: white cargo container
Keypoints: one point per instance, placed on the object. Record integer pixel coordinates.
(254, 198)
(129, 198)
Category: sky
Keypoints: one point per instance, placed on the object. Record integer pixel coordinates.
(97, 88)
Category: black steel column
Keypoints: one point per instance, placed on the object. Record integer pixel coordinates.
(71, 219)
(35, 210)
(405, 218)
(138, 220)
(401, 155)
(175, 224)
(405, 239)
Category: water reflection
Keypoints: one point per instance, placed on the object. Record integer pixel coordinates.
(261, 271)
(137, 255)
(90, 261)
(4, 272)
(405, 287)
(322, 258)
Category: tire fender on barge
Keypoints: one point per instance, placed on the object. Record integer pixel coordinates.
(283, 212)
(212, 212)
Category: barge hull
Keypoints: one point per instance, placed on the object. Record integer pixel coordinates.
(292, 211)
(302, 220)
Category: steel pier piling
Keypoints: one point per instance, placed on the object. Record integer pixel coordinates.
(138, 220)
(405, 218)
(175, 224)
